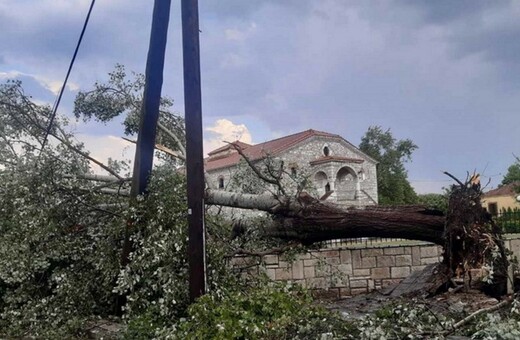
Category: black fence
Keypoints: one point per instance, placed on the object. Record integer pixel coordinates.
(509, 220)
(363, 242)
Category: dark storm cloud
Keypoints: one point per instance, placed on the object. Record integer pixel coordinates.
(43, 35)
(488, 28)
(497, 44)
(438, 72)
(49, 36)
(448, 11)
(244, 10)
(431, 71)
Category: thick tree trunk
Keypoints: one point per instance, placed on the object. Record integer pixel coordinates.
(308, 220)
(353, 223)
(468, 235)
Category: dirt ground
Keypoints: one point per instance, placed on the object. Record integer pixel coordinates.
(463, 303)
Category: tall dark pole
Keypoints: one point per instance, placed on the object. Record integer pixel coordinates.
(194, 155)
(152, 96)
(145, 146)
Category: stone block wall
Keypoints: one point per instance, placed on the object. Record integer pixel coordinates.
(349, 271)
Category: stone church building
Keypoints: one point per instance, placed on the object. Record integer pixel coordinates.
(340, 172)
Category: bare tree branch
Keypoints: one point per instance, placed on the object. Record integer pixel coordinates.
(273, 180)
(99, 178)
(63, 138)
(473, 315)
(172, 135)
(162, 148)
(454, 178)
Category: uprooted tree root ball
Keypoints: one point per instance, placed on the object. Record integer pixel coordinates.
(473, 240)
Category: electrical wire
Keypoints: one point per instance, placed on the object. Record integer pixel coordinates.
(58, 100)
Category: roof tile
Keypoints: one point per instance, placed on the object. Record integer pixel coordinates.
(505, 190)
(262, 150)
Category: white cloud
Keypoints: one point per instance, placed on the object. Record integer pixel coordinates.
(9, 75)
(104, 147)
(223, 131)
(233, 60)
(55, 85)
(50, 84)
(234, 34)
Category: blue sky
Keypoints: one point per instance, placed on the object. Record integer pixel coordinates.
(444, 74)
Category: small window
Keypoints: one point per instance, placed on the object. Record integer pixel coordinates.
(327, 187)
(221, 183)
(493, 208)
(326, 151)
(294, 172)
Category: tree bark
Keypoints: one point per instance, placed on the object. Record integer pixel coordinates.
(468, 235)
(308, 220)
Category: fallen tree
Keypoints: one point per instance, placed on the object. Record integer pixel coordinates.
(468, 235)
(309, 220)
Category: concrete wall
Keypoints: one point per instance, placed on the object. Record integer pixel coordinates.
(348, 271)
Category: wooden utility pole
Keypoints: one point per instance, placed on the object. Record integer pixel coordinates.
(152, 97)
(194, 153)
(145, 145)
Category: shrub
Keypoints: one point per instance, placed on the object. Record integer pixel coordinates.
(264, 312)
(58, 255)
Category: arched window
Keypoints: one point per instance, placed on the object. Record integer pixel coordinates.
(327, 187)
(346, 183)
(326, 151)
(221, 182)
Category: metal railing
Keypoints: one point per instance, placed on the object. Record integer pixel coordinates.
(363, 242)
(508, 220)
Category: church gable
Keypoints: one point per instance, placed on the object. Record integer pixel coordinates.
(340, 172)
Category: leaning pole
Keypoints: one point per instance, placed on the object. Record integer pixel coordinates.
(145, 145)
(194, 153)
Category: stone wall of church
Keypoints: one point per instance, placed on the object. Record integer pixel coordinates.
(345, 189)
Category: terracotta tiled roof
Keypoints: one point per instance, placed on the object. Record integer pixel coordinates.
(226, 147)
(505, 190)
(326, 159)
(259, 151)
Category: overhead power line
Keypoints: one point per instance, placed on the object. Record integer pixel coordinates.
(58, 100)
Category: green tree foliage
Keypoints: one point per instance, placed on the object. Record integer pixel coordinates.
(392, 178)
(61, 237)
(123, 96)
(513, 174)
(264, 312)
(61, 234)
(58, 248)
(434, 201)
